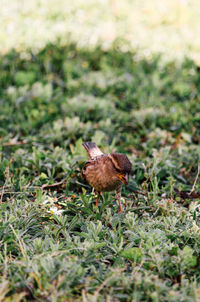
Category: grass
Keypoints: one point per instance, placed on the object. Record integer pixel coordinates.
(150, 26)
(55, 244)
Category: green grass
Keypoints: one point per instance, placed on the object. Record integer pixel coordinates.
(55, 244)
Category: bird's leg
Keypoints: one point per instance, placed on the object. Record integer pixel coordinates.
(97, 200)
(118, 194)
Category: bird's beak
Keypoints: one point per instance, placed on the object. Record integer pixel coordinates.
(123, 178)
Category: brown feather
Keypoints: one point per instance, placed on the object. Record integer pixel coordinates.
(121, 162)
(92, 149)
(100, 174)
(106, 172)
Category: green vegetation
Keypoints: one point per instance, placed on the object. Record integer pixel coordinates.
(124, 74)
(55, 244)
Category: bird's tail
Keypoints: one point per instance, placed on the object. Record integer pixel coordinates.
(92, 149)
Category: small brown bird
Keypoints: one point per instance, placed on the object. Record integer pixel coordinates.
(106, 172)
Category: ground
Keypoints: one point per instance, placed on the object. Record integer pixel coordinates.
(56, 245)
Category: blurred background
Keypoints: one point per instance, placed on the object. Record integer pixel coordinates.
(151, 26)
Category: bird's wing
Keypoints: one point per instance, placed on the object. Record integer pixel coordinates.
(91, 164)
(87, 164)
(92, 149)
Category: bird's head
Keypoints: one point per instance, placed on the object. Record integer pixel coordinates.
(122, 166)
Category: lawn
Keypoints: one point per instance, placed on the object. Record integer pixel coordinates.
(56, 245)
(55, 94)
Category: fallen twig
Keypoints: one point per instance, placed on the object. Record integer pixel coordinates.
(8, 144)
(141, 193)
(53, 185)
(195, 181)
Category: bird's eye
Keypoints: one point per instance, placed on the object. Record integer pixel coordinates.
(118, 170)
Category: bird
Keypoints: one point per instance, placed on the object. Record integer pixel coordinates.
(106, 172)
